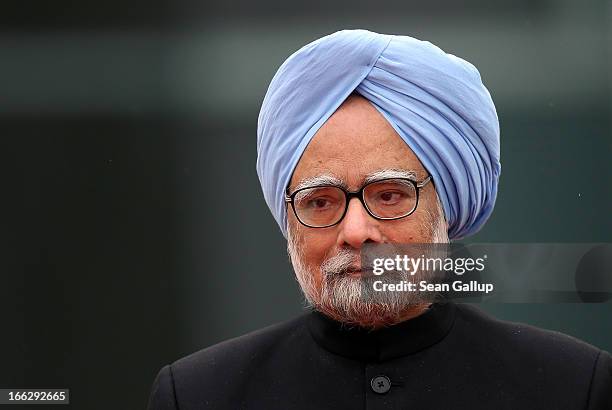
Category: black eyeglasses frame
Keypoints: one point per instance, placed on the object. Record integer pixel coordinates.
(359, 194)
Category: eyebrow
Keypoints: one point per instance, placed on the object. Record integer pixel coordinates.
(325, 179)
(389, 173)
(328, 179)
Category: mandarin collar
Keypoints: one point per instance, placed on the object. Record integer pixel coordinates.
(387, 343)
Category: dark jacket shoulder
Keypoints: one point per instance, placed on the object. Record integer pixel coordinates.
(536, 359)
(221, 365)
(514, 338)
(234, 354)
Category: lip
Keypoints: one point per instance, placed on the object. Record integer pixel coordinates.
(360, 273)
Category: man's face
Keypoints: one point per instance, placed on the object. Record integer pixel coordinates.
(354, 144)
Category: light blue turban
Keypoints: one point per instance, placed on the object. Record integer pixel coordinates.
(435, 101)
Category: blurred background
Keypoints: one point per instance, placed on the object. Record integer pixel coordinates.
(133, 227)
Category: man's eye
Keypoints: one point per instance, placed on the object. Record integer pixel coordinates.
(320, 203)
(391, 197)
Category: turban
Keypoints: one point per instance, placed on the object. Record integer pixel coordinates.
(435, 101)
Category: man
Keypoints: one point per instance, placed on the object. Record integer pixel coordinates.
(367, 139)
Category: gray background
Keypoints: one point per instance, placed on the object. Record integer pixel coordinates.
(133, 227)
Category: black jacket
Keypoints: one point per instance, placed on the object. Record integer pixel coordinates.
(452, 357)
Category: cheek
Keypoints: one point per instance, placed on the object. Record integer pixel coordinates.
(317, 246)
(412, 229)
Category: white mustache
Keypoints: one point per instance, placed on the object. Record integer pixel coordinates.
(344, 262)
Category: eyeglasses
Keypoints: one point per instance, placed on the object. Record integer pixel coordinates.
(323, 206)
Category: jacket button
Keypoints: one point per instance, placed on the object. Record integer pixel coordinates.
(380, 384)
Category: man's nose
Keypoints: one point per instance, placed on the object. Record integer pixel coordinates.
(358, 227)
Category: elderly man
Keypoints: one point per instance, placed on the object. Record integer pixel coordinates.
(366, 139)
